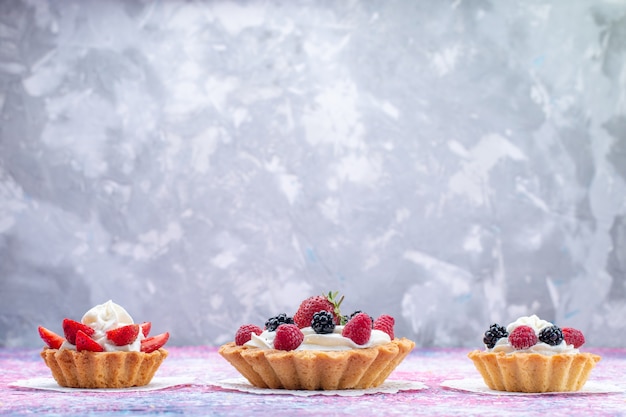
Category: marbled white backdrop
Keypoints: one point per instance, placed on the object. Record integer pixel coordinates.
(208, 164)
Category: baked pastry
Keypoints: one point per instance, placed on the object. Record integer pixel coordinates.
(533, 355)
(106, 349)
(318, 349)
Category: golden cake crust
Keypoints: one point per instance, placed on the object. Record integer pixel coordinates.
(533, 372)
(102, 369)
(316, 369)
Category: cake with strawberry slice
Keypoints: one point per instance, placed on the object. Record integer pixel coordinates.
(318, 349)
(533, 355)
(106, 349)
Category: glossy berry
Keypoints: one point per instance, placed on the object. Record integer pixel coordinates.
(244, 333)
(551, 335)
(385, 324)
(288, 337)
(495, 333)
(154, 343)
(323, 322)
(52, 340)
(273, 322)
(523, 337)
(71, 327)
(124, 335)
(145, 328)
(85, 343)
(573, 337)
(358, 329)
(316, 303)
(351, 316)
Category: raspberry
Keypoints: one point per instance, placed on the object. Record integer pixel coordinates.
(495, 333)
(573, 337)
(358, 329)
(323, 322)
(523, 337)
(244, 333)
(273, 322)
(288, 337)
(385, 324)
(551, 335)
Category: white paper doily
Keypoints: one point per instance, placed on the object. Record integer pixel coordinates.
(387, 387)
(49, 384)
(477, 385)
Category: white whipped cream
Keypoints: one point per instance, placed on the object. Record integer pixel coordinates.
(105, 317)
(328, 342)
(537, 325)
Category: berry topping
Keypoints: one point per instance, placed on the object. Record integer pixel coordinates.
(323, 322)
(312, 305)
(244, 333)
(551, 335)
(154, 343)
(71, 327)
(523, 337)
(358, 329)
(86, 343)
(385, 324)
(288, 337)
(53, 340)
(495, 333)
(124, 335)
(145, 328)
(272, 323)
(573, 337)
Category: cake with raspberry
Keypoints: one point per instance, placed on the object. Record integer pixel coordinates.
(533, 355)
(318, 349)
(106, 349)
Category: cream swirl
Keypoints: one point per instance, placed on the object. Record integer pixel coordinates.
(542, 348)
(328, 342)
(103, 318)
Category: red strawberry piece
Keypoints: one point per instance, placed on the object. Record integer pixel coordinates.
(145, 328)
(358, 329)
(53, 340)
(385, 324)
(124, 335)
(84, 342)
(573, 337)
(154, 343)
(314, 304)
(71, 327)
(244, 333)
(523, 337)
(288, 337)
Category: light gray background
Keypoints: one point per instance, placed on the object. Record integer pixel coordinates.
(208, 164)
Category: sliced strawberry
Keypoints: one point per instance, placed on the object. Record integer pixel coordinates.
(71, 327)
(155, 342)
(145, 328)
(53, 340)
(124, 335)
(84, 342)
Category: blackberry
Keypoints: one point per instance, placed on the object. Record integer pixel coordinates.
(273, 322)
(323, 322)
(495, 333)
(551, 335)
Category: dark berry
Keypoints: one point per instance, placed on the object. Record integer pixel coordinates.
(495, 333)
(323, 322)
(272, 323)
(551, 335)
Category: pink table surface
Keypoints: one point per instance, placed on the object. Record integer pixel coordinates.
(204, 366)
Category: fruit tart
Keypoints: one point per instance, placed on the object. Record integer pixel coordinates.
(533, 355)
(106, 349)
(318, 349)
